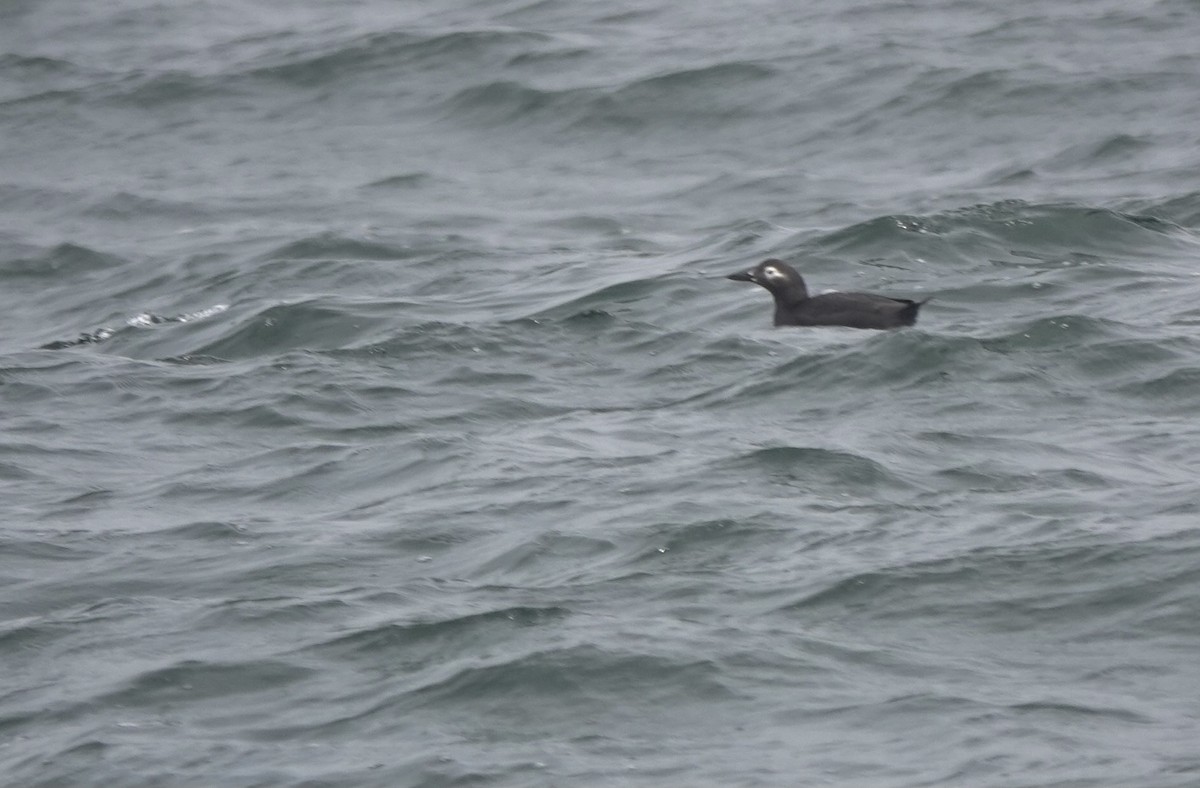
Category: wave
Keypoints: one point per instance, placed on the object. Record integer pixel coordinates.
(463, 52)
(1012, 229)
(1014, 583)
(790, 458)
(31, 77)
(331, 246)
(66, 259)
(428, 641)
(142, 320)
(1183, 210)
(664, 98)
(364, 60)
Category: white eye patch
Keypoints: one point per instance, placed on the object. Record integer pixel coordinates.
(771, 272)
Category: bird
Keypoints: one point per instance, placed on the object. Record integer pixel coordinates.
(795, 307)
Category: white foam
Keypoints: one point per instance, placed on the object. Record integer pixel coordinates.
(147, 319)
(215, 309)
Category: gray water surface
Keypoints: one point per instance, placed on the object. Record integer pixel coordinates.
(403, 431)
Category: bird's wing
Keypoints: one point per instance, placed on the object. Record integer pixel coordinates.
(865, 310)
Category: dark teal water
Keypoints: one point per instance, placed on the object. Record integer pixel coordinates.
(402, 430)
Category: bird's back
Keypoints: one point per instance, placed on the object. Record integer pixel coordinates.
(854, 310)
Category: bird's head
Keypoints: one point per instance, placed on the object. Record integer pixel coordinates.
(776, 276)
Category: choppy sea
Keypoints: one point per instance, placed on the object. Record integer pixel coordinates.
(374, 411)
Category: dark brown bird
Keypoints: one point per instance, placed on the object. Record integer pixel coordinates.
(795, 307)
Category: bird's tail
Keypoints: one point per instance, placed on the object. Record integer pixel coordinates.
(909, 313)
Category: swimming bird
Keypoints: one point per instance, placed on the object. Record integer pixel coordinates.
(795, 307)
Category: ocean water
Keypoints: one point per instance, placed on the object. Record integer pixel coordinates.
(376, 413)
